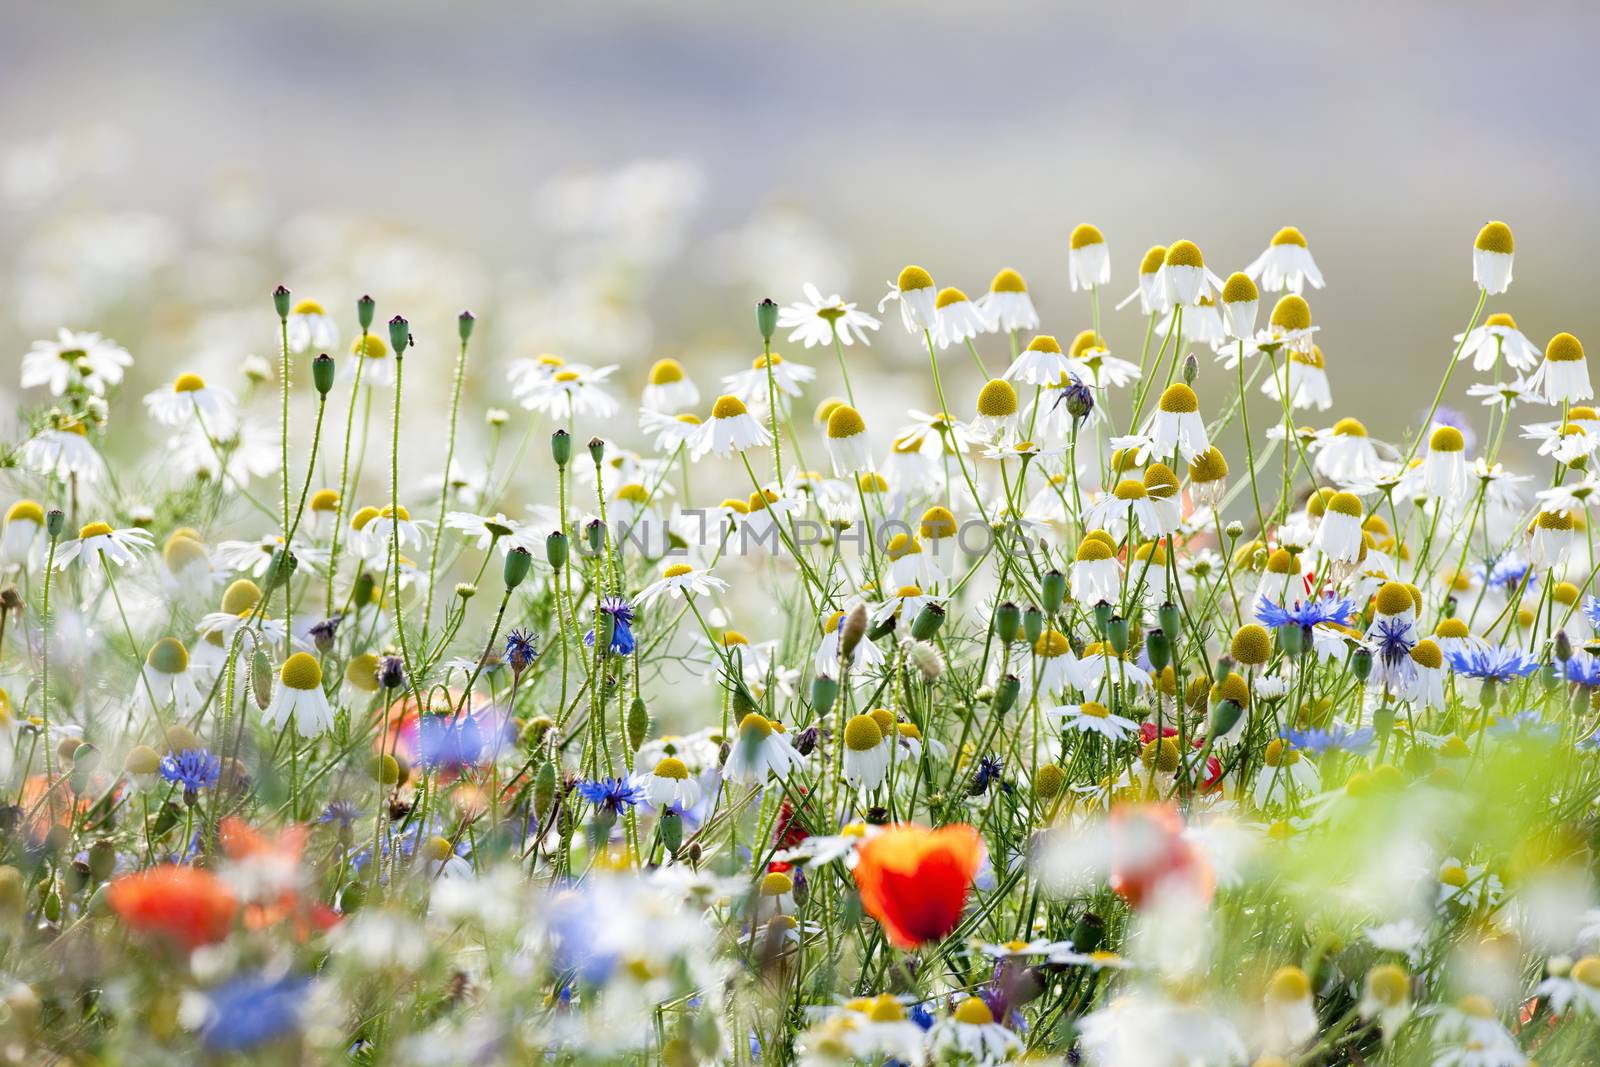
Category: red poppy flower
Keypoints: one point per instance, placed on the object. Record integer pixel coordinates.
(1149, 854)
(915, 881)
(180, 904)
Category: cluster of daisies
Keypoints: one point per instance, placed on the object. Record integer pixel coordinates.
(1130, 709)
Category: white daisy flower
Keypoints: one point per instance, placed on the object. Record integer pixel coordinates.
(98, 542)
(679, 580)
(669, 432)
(311, 327)
(761, 748)
(1088, 258)
(918, 300)
(1307, 377)
(1041, 363)
(1007, 305)
(959, 318)
(96, 361)
(848, 445)
(1286, 264)
(1345, 454)
(24, 522)
(1498, 338)
(730, 429)
(1185, 276)
(369, 358)
(1491, 258)
(1176, 426)
(788, 380)
(815, 320)
(63, 451)
(1152, 290)
(972, 1032)
(1094, 718)
(866, 758)
(189, 397)
(669, 388)
(573, 390)
(1563, 376)
(299, 697)
(670, 785)
(167, 677)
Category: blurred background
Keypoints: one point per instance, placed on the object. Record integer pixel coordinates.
(620, 182)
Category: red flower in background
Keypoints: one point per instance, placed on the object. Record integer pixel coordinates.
(190, 908)
(1149, 854)
(915, 881)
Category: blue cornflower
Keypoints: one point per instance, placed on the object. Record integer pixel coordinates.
(1591, 610)
(1526, 724)
(989, 769)
(1493, 664)
(1305, 613)
(621, 613)
(522, 648)
(1582, 669)
(611, 794)
(193, 768)
(343, 812)
(922, 1015)
(450, 741)
(251, 1011)
(1334, 739)
(1393, 641)
(1506, 572)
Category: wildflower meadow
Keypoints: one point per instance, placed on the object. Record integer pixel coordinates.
(1125, 694)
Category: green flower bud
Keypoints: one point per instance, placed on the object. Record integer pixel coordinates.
(555, 549)
(1007, 622)
(767, 318)
(638, 723)
(464, 324)
(927, 622)
(280, 301)
(561, 447)
(1053, 590)
(399, 335)
(322, 369)
(518, 561)
(364, 309)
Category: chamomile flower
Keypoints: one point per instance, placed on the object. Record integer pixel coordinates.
(1096, 575)
(669, 388)
(1185, 277)
(1241, 303)
(63, 450)
(98, 544)
(1552, 536)
(1347, 455)
(87, 358)
(189, 397)
(788, 380)
(1041, 363)
(866, 758)
(1007, 305)
(1288, 1017)
(679, 580)
(299, 697)
(1444, 470)
(996, 417)
(1091, 717)
(1285, 770)
(1088, 258)
(1286, 264)
(1498, 338)
(572, 391)
(971, 1031)
(847, 441)
(918, 298)
(23, 522)
(369, 357)
(816, 320)
(761, 748)
(1491, 258)
(311, 327)
(730, 429)
(1091, 361)
(1563, 376)
(960, 319)
(1152, 291)
(166, 676)
(668, 432)
(669, 787)
(1177, 427)
(1307, 377)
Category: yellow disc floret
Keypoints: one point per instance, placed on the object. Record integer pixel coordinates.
(1292, 313)
(1495, 237)
(1008, 281)
(1084, 235)
(997, 399)
(728, 407)
(301, 671)
(1239, 289)
(845, 421)
(913, 278)
(861, 734)
(1184, 254)
(1179, 399)
(1564, 348)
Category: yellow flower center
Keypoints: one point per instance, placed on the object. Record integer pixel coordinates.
(301, 671)
(188, 383)
(974, 1012)
(94, 529)
(1289, 235)
(861, 734)
(1008, 281)
(727, 407)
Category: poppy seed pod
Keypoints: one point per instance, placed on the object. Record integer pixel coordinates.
(364, 310)
(767, 318)
(927, 622)
(1005, 693)
(1117, 634)
(1170, 618)
(1053, 591)
(280, 301)
(1032, 624)
(55, 519)
(1102, 616)
(597, 450)
(824, 691)
(518, 562)
(556, 548)
(1158, 648)
(561, 447)
(464, 324)
(322, 369)
(399, 335)
(595, 534)
(1007, 622)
